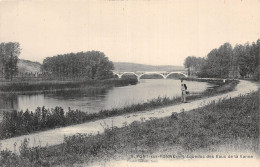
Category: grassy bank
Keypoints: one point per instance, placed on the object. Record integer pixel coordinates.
(210, 80)
(43, 86)
(18, 123)
(232, 124)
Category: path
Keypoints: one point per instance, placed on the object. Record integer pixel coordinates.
(55, 136)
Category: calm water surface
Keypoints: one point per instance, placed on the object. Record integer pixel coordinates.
(93, 100)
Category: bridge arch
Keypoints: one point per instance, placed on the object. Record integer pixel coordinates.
(132, 73)
(179, 73)
(151, 73)
(116, 74)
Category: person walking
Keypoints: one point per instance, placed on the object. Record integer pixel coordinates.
(183, 91)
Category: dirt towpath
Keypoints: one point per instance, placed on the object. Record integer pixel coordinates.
(56, 136)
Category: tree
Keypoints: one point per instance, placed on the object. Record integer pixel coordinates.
(238, 53)
(224, 57)
(193, 64)
(89, 65)
(218, 62)
(256, 55)
(246, 61)
(225, 62)
(9, 53)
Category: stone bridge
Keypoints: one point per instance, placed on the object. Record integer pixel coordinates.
(164, 74)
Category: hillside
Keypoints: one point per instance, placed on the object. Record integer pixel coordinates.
(28, 66)
(133, 67)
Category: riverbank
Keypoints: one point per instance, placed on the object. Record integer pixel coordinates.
(56, 136)
(210, 80)
(46, 86)
(17, 123)
(221, 126)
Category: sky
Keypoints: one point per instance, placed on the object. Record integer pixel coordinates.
(156, 32)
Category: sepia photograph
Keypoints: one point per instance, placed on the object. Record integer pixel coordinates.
(136, 83)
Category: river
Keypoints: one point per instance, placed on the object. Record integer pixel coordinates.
(93, 100)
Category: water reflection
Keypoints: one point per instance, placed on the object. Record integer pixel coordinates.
(93, 100)
(8, 102)
(89, 100)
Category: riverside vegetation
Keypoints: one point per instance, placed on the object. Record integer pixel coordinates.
(16, 123)
(44, 86)
(231, 123)
(240, 61)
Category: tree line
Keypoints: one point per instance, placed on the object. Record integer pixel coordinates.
(87, 65)
(91, 64)
(242, 61)
(9, 53)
